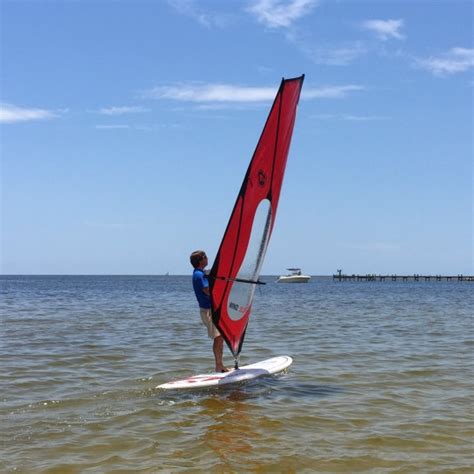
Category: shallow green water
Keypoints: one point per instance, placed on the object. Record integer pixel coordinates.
(382, 379)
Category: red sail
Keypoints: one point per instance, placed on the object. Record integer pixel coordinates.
(237, 266)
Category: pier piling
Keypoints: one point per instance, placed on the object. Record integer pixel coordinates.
(394, 277)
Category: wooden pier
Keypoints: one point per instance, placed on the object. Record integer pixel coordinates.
(416, 277)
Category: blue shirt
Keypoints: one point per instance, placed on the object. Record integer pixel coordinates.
(199, 282)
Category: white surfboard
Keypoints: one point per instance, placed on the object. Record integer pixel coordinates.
(246, 372)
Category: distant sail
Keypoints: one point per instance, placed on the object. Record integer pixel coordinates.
(234, 275)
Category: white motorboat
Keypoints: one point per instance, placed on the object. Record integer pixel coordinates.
(294, 277)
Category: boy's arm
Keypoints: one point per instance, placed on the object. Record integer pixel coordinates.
(204, 284)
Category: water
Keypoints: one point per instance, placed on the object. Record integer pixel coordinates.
(382, 379)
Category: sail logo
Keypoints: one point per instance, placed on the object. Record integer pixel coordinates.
(236, 307)
(262, 178)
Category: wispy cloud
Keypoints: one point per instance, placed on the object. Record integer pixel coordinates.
(335, 56)
(211, 93)
(363, 118)
(454, 61)
(330, 92)
(340, 54)
(225, 93)
(194, 10)
(265, 70)
(280, 13)
(228, 94)
(112, 127)
(141, 127)
(231, 105)
(122, 110)
(12, 114)
(349, 117)
(385, 29)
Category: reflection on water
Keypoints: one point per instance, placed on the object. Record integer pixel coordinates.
(230, 434)
(382, 379)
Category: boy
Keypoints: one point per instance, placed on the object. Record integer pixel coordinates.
(201, 289)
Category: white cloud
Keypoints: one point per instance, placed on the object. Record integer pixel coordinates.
(231, 105)
(140, 127)
(192, 9)
(348, 117)
(121, 110)
(211, 93)
(330, 92)
(279, 13)
(324, 116)
(12, 114)
(339, 56)
(334, 55)
(265, 70)
(223, 93)
(112, 127)
(454, 61)
(385, 29)
(363, 118)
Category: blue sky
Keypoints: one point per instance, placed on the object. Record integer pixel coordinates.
(127, 127)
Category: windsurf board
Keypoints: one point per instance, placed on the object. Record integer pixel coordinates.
(244, 373)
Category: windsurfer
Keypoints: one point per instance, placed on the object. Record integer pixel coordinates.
(201, 289)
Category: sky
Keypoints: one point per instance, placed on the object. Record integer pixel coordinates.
(127, 127)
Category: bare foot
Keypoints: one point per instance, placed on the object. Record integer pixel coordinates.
(222, 369)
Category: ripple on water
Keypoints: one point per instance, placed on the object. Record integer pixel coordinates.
(382, 379)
